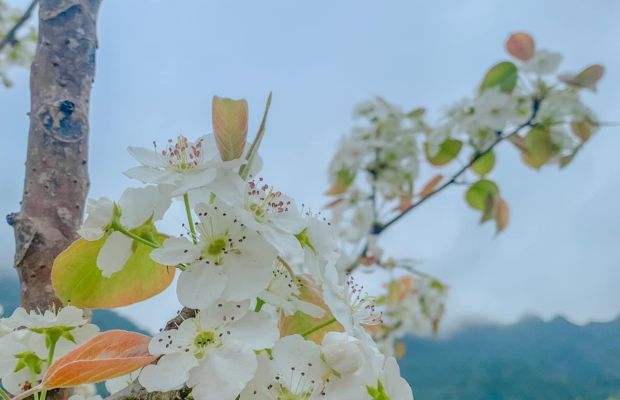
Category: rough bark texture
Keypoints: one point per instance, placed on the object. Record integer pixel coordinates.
(56, 181)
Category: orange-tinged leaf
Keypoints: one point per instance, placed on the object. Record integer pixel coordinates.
(336, 190)
(400, 349)
(521, 46)
(430, 185)
(519, 142)
(230, 126)
(107, 355)
(77, 280)
(299, 322)
(582, 129)
(501, 213)
(587, 78)
(404, 202)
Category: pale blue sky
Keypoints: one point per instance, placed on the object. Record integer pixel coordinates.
(160, 62)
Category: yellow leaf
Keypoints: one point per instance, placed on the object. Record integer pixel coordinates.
(77, 280)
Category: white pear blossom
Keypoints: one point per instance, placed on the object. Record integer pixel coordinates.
(544, 62)
(296, 372)
(273, 214)
(68, 317)
(350, 304)
(283, 293)
(182, 164)
(229, 262)
(135, 207)
(213, 353)
(24, 350)
(494, 109)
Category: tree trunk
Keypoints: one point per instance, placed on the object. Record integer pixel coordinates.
(56, 183)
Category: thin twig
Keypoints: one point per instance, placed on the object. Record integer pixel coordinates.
(9, 38)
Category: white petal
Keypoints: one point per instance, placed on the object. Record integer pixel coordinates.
(224, 313)
(289, 221)
(257, 389)
(223, 373)
(175, 251)
(228, 186)
(171, 372)
(200, 286)
(292, 352)
(309, 308)
(286, 243)
(187, 182)
(257, 330)
(396, 387)
(100, 214)
(146, 174)
(119, 383)
(14, 382)
(114, 254)
(137, 205)
(245, 279)
(174, 340)
(148, 157)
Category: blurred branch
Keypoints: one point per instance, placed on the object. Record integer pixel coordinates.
(9, 38)
(454, 179)
(500, 138)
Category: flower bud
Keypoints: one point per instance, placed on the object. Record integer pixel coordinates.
(343, 353)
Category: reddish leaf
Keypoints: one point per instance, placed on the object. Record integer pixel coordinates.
(230, 125)
(404, 203)
(521, 46)
(430, 185)
(588, 78)
(107, 355)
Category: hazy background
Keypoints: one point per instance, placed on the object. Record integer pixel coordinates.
(160, 62)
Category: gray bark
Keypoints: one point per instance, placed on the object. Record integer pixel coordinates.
(56, 182)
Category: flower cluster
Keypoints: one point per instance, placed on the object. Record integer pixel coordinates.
(31, 341)
(375, 174)
(272, 318)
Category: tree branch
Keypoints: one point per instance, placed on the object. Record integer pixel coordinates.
(500, 138)
(9, 38)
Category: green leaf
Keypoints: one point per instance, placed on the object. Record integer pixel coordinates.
(478, 194)
(448, 151)
(540, 147)
(484, 164)
(79, 282)
(503, 74)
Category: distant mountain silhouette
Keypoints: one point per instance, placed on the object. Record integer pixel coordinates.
(530, 360)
